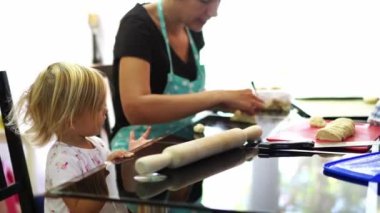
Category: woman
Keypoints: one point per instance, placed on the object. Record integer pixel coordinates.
(158, 78)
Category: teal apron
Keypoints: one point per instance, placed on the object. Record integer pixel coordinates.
(175, 85)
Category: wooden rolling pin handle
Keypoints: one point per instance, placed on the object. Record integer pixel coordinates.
(152, 163)
(253, 132)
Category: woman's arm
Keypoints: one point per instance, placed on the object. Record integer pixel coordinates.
(140, 106)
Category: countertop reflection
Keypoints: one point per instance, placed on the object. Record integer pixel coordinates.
(237, 180)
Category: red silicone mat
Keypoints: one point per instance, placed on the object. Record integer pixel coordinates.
(301, 130)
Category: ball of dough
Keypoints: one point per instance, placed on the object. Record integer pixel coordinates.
(199, 128)
(243, 117)
(317, 121)
(1, 123)
(370, 100)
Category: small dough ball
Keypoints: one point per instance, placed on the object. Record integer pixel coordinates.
(370, 100)
(275, 88)
(317, 121)
(1, 123)
(199, 128)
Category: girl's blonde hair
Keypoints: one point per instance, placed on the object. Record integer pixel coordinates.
(59, 94)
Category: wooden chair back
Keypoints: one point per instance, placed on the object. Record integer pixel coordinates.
(22, 185)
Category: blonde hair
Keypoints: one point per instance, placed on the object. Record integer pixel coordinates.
(57, 96)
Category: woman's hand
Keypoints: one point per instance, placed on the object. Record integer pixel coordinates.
(244, 100)
(133, 143)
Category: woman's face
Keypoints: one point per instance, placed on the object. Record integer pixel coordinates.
(196, 13)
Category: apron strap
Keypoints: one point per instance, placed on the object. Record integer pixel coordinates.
(160, 11)
(194, 49)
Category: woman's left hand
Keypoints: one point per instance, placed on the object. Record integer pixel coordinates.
(133, 143)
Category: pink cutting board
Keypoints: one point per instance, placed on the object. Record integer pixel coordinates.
(301, 130)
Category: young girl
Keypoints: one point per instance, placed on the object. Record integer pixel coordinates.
(67, 104)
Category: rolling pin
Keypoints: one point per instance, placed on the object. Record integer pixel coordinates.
(185, 153)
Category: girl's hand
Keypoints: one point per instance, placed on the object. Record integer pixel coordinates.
(133, 143)
(118, 154)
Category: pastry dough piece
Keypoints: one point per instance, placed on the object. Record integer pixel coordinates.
(370, 100)
(337, 130)
(317, 121)
(1, 123)
(199, 128)
(243, 117)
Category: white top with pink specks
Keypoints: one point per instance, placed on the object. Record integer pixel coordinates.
(64, 162)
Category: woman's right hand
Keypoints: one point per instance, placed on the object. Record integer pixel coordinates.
(244, 100)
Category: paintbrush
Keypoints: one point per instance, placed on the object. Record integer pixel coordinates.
(253, 86)
(93, 22)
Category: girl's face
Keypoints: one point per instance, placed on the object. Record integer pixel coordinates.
(87, 124)
(197, 12)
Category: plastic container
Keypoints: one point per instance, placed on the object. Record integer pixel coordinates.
(275, 99)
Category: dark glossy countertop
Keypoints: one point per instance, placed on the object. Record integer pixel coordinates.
(241, 179)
